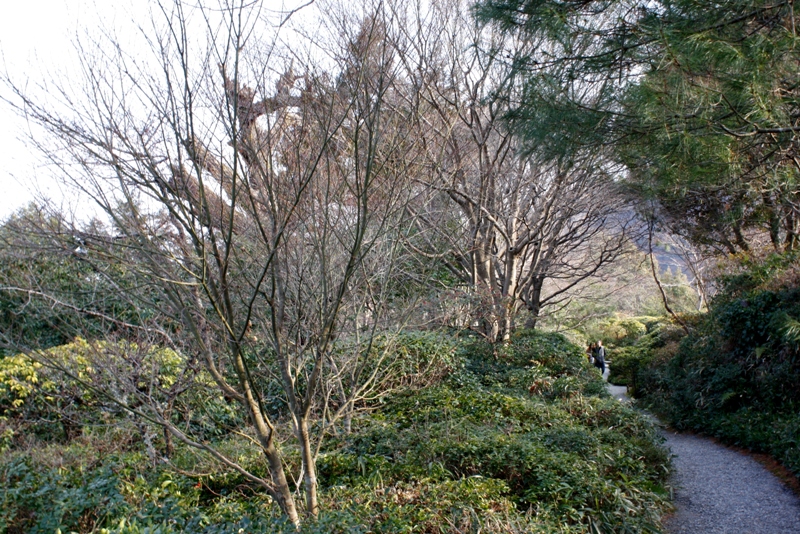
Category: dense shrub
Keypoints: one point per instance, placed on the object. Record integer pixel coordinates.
(410, 359)
(516, 439)
(736, 375)
(620, 331)
(36, 500)
(632, 362)
(536, 417)
(58, 400)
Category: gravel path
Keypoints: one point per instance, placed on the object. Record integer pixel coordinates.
(720, 491)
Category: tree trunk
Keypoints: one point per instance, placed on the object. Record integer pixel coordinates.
(310, 469)
(534, 302)
(658, 281)
(491, 328)
(510, 287)
(740, 240)
(508, 323)
(169, 448)
(281, 490)
(283, 493)
(774, 221)
(791, 232)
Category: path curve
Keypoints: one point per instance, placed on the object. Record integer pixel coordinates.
(721, 491)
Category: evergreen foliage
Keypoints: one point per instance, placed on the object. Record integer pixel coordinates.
(523, 438)
(735, 377)
(699, 101)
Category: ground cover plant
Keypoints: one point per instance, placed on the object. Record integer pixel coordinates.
(735, 376)
(521, 438)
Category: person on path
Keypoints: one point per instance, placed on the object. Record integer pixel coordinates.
(599, 354)
(590, 353)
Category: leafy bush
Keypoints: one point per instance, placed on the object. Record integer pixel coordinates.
(736, 375)
(629, 362)
(410, 359)
(519, 439)
(619, 330)
(622, 331)
(59, 400)
(37, 500)
(563, 449)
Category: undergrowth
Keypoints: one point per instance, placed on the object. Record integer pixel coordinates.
(518, 439)
(735, 376)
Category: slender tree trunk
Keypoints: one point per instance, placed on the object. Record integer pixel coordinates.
(534, 303)
(492, 325)
(511, 310)
(658, 281)
(510, 288)
(169, 447)
(508, 322)
(284, 494)
(791, 232)
(310, 470)
(264, 434)
(774, 221)
(348, 422)
(728, 245)
(740, 240)
(701, 296)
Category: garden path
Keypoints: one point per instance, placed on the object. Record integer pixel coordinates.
(721, 491)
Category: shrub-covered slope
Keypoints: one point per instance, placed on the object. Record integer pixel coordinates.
(521, 439)
(736, 376)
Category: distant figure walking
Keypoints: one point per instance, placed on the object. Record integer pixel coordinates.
(599, 354)
(590, 352)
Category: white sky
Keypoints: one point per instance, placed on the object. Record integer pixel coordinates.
(34, 36)
(36, 40)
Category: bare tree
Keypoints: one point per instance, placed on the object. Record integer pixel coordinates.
(505, 220)
(259, 201)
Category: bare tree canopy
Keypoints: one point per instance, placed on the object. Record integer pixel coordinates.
(262, 204)
(258, 199)
(506, 220)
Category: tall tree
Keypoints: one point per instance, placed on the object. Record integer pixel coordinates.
(699, 99)
(521, 220)
(715, 137)
(253, 202)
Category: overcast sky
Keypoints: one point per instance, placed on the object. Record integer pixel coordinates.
(35, 39)
(36, 43)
